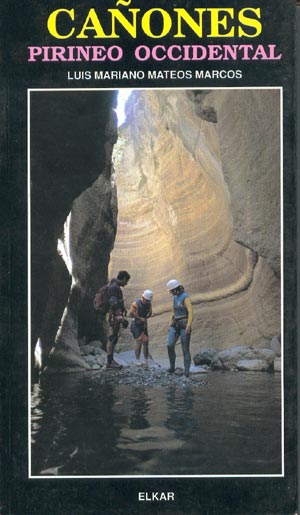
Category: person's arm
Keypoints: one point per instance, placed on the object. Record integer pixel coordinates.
(172, 316)
(113, 298)
(189, 308)
(134, 312)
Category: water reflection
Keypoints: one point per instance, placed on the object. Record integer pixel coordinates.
(229, 426)
(75, 416)
(180, 409)
(138, 410)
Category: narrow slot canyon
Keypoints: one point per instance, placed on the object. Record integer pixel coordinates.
(187, 188)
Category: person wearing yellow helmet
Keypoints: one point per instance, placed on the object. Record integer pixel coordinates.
(180, 325)
(140, 311)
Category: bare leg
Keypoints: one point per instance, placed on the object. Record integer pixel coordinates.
(146, 347)
(112, 342)
(137, 350)
(110, 350)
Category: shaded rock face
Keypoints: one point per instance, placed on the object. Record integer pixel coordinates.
(198, 176)
(72, 136)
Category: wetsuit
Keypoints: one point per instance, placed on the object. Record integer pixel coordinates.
(182, 316)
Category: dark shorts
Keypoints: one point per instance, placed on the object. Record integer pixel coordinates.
(137, 329)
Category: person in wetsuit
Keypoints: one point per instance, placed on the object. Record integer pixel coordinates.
(180, 325)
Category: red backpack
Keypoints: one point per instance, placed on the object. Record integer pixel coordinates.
(101, 300)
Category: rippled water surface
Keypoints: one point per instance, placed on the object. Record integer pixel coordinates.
(230, 425)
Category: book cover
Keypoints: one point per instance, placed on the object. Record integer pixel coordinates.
(149, 147)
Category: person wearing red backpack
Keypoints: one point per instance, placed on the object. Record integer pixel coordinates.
(110, 305)
(116, 315)
(140, 311)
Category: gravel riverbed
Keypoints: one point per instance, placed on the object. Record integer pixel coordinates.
(147, 376)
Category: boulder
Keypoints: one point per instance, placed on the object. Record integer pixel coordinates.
(101, 360)
(253, 365)
(95, 343)
(276, 345)
(229, 358)
(217, 364)
(236, 353)
(87, 349)
(90, 360)
(277, 365)
(205, 356)
(198, 370)
(265, 354)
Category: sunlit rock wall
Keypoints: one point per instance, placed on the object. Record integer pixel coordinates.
(249, 128)
(195, 173)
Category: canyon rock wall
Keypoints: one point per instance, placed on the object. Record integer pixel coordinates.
(72, 136)
(198, 179)
(250, 147)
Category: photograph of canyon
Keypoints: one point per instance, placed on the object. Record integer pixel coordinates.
(167, 184)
